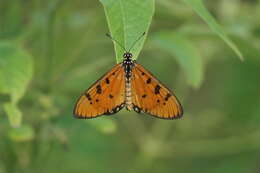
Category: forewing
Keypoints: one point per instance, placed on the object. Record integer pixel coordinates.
(152, 97)
(106, 96)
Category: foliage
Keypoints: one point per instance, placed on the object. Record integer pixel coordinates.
(127, 20)
(51, 51)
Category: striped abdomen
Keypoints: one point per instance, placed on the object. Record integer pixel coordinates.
(128, 94)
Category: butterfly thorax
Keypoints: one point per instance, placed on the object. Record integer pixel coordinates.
(128, 65)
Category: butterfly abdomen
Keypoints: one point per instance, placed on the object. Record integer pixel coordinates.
(128, 94)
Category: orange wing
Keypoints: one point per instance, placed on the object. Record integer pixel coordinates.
(106, 96)
(152, 97)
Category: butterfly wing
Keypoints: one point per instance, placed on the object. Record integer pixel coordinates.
(106, 96)
(152, 97)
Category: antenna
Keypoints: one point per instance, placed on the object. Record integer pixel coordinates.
(136, 41)
(108, 35)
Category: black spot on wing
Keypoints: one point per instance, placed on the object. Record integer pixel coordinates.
(143, 96)
(99, 89)
(107, 81)
(88, 96)
(148, 80)
(110, 96)
(167, 97)
(157, 89)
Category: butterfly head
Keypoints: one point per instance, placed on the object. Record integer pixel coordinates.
(127, 55)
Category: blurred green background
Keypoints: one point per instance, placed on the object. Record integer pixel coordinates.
(52, 50)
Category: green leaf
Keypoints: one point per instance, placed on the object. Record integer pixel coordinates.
(21, 134)
(15, 74)
(200, 9)
(13, 113)
(128, 20)
(184, 52)
(15, 70)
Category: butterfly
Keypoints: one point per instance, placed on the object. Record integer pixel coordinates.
(128, 84)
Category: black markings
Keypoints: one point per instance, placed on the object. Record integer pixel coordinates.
(144, 95)
(88, 96)
(114, 110)
(107, 112)
(91, 103)
(99, 90)
(143, 73)
(111, 112)
(107, 81)
(128, 65)
(148, 80)
(122, 105)
(137, 109)
(157, 89)
(110, 96)
(167, 97)
(164, 103)
(113, 73)
(128, 75)
(97, 100)
(158, 101)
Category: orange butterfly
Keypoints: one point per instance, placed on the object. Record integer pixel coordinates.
(129, 85)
